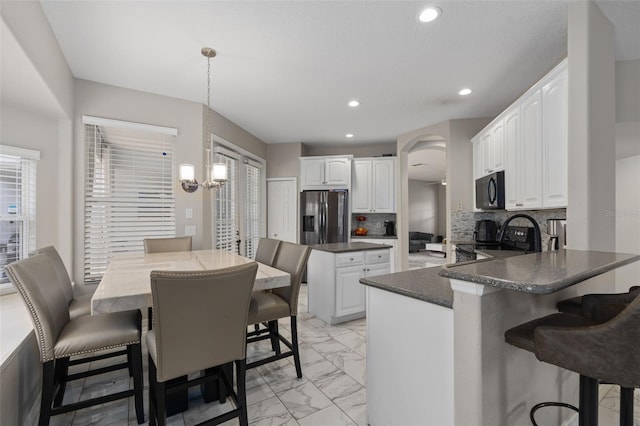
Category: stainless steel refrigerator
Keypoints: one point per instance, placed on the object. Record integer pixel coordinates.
(324, 217)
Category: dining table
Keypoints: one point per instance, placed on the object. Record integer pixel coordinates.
(126, 283)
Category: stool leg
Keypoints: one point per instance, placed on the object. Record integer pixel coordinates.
(588, 401)
(626, 406)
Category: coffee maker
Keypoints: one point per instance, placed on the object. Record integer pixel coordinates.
(389, 228)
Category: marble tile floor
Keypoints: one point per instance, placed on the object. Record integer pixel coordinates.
(332, 391)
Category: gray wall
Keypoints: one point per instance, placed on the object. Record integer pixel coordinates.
(424, 206)
(283, 160)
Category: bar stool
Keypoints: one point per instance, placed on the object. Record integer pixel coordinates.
(574, 304)
(607, 352)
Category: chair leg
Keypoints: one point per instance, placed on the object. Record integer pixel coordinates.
(588, 401)
(275, 340)
(294, 343)
(626, 406)
(129, 364)
(60, 378)
(161, 408)
(152, 392)
(241, 377)
(48, 382)
(134, 356)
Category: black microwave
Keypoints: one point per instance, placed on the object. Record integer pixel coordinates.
(490, 192)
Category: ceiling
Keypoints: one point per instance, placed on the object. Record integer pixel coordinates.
(427, 165)
(285, 70)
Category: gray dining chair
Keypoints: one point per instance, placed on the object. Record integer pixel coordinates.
(163, 245)
(60, 338)
(200, 324)
(267, 251)
(79, 304)
(269, 307)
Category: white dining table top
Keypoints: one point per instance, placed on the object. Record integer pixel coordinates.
(126, 284)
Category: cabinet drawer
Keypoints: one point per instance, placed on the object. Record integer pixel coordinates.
(349, 259)
(377, 256)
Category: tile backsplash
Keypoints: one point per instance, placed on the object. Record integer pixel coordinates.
(463, 223)
(374, 222)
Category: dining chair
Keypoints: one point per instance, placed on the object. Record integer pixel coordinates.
(60, 338)
(163, 245)
(269, 307)
(267, 251)
(200, 323)
(79, 304)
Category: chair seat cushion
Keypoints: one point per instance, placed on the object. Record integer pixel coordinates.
(80, 306)
(97, 332)
(522, 335)
(267, 307)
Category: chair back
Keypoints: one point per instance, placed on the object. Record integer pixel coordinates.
(291, 258)
(164, 245)
(200, 318)
(46, 303)
(61, 270)
(267, 251)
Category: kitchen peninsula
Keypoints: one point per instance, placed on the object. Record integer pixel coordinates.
(435, 338)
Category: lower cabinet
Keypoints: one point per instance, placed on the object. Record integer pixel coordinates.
(393, 250)
(338, 297)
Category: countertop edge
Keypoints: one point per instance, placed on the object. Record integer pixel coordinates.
(346, 249)
(549, 288)
(412, 295)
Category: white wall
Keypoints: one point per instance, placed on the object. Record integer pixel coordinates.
(423, 206)
(627, 214)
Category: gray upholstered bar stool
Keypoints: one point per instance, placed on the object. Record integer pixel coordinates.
(607, 352)
(574, 304)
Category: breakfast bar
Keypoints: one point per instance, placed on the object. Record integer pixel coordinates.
(436, 350)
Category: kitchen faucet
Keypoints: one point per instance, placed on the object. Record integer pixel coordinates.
(537, 238)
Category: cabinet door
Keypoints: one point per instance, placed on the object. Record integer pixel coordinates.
(312, 172)
(282, 209)
(337, 171)
(497, 147)
(349, 291)
(486, 148)
(477, 167)
(383, 186)
(530, 147)
(511, 146)
(361, 187)
(378, 269)
(554, 142)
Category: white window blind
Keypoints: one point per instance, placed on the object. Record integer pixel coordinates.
(17, 207)
(226, 206)
(253, 187)
(129, 192)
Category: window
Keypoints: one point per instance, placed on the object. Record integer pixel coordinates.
(238, 205)
(129, 190)
(17, 207)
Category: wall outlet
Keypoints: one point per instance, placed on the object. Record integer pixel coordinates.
(459, 207)
(190, 230)
(188, 213)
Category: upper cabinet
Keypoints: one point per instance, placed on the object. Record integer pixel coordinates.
(532, 135)
(373, 185)
(325, 172)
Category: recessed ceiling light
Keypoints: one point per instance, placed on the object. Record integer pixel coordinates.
(429, 14)
(464, 92)
(348, 135)
(353, 103)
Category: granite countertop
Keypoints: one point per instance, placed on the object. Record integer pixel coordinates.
(374, 237)
(347, 247)
(423, 284)
(499, 254)
(539, 273)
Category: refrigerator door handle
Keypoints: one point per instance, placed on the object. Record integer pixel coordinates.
(323, 218)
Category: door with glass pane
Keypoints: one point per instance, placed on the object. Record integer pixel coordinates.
(238, 204)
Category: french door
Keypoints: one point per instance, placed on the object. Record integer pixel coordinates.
(238, 206)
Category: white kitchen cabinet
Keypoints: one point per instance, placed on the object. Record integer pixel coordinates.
(393, 251)
(338, 297)
(488, 150)
(512, 141)
(325, 172)
(555, 117)
(529, 153)
(373, 185)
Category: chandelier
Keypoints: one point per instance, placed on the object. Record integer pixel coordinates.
(216, 173)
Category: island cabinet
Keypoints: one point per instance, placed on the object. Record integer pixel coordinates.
(325, 172)
(373, 185)
(335, 293)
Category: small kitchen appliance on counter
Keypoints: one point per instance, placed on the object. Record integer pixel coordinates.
(389, 228)
(485, 231)
(557, 230)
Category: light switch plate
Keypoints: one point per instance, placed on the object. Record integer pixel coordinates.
(188, 213)
(190, 230)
